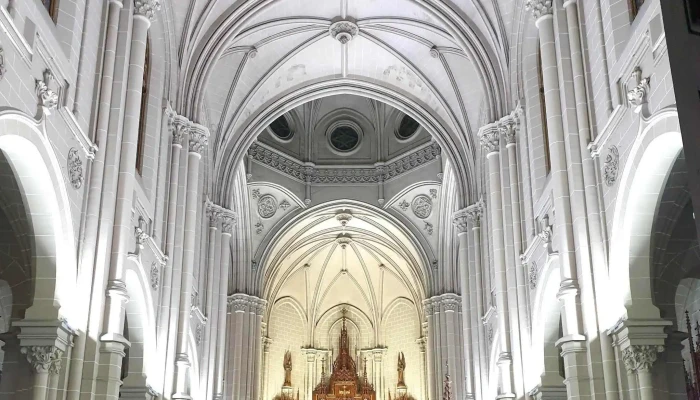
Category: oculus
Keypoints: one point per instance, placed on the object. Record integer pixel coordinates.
(280, 128)
(267, 206)
(407, 128)
(422, 206)
(344, 138)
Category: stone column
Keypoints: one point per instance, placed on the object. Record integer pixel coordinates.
(88, 248)
(422, 343)
(452, 346)
(378, 366)
(432, 354)
(310, 370)
(228, 219)
(489, 137)
(198, 140)
(474, 213)
(266, 342)
(460, 221)
(257, 343)
(638, 361)
(44, 360)
(213, 275)
(239, 308)
(598, 254)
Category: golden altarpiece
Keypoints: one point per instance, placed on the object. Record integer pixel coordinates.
(344, 383)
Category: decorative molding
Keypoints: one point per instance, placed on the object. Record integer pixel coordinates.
(532, 273)
(198, 334)
(333, 175)
(637, 97)
(155, 276)
(434, 52)
(539, 8)
(48, 99)
(422, 206)
(611, 166)
(75, 168)
(147, 8)
(343, 30)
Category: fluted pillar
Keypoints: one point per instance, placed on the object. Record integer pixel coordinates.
(228, 220)
(489, 137)
(214, 213)
(88, 249)
(198, 140)
(460, 221)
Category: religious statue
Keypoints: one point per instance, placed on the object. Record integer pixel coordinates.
(287, 369)
(401, 368)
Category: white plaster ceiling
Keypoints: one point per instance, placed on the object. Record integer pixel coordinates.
(370, 262)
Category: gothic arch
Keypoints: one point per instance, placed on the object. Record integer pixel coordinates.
(24, 142)
(641, 185)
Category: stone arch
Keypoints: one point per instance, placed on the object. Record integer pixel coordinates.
(453, 145)
(141, 329)
(641, 184)
(24, 143)
(546, 323)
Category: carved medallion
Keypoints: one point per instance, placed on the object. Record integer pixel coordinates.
(75, 169)
(267, 206)
(422, 206)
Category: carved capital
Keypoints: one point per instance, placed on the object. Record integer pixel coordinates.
(147, 8)
(180, 129)
(228, 221)
(44, 359)
(637, 96)
(214, 214)
(640, 357)
(488, 136)
(539, 8)
(460, 220)
(199, 139)
(507, 129)
(474, 213)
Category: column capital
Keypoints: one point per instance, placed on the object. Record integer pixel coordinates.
(146, 8)
(214, 214)
(474, 213)
(640, 357)
(238, 302)
(539, 8)
(199, 138)
(180, 129)
(507, 128)
(488, 136)
(44, 359)
(460, 220)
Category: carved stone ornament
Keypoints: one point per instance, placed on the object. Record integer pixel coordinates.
(474, 213)
(198, 334)
(640, 357)
(267, 206)
(255, 193)
(141, 233)
(48, 99)
(75, 168)
(404, 205)
(539, 8)
(422, 206)
(637, 96)
(284, 205)
(507, 128)
(228, 220)
(429, 228)
(489, 334)
(44, 358)
(181, 128)
(259, 227)
(611, 166)
(488, 136)
(343, 31)
(433, 193)
(343, 218)
(460, 220)
(214, 215)
(434, 52)
(3, 69)
(532, 275)
(155, 276)
(199, 139)
(546, 232)
(146, 8)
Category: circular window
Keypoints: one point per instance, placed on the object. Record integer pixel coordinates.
(280, 127)
(344, 138)
(407, 127)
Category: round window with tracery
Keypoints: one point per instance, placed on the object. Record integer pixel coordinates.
(344, 138)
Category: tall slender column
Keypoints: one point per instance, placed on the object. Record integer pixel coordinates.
(452, 346)
(44, 360)
(595, 229)
(432, 353)
(378, 358)
(228, 220)
(257, 342)
(460, 221)
(239, 308)
(310, 369)
(638, 360)
(266, 342)
(113, 341)
(94, 195)
(198, 140)
(215, 214)
(489, 137)
(473, 214)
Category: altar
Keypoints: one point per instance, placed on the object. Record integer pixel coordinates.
(344, 382)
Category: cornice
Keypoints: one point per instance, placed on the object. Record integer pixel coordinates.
(295, 169)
